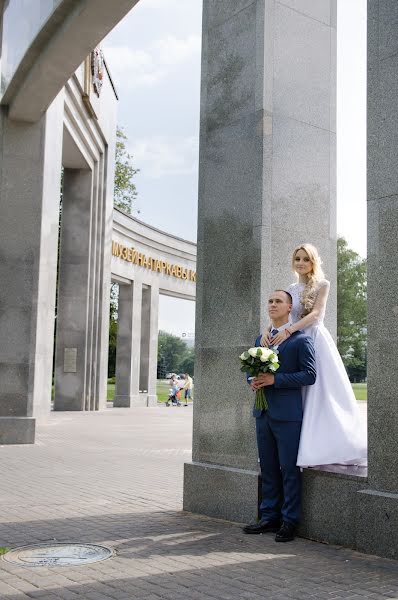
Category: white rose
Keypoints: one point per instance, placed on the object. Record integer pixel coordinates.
(274, 358)
(272, 368)
(253, 352)
(266, 352)
(263, 358)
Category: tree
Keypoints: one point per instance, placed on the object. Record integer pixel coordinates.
(171, 351)
(187, 365)
(125, 191)
(351, 310)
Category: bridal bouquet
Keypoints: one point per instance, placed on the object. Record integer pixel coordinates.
(259, 360)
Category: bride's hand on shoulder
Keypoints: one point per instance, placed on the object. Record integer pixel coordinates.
(266, 339)
(280, 337)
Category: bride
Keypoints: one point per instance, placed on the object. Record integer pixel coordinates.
(332, 431)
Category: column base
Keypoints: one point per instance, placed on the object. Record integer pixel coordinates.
(141, 399)
(152, 400)
(377, 523)
(329, 506)
(129, 401)
(338, 509)
(68, 407)
(221, 492)
(17, 430)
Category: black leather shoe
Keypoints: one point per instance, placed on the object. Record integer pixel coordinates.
(285, 533)
(262, 527)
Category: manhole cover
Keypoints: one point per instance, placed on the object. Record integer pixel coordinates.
(57, 554)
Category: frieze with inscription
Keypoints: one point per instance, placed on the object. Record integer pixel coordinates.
(130, 254)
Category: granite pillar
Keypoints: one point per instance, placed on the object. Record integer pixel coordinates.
(378, 514)
(266, 183)
(30, 175)
(74, 329)
(149, 343)
(128, 345)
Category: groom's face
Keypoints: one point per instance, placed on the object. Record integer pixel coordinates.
(279, 306)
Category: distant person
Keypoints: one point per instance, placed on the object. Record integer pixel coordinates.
(332, 431)
(174, 389)
(187, 388)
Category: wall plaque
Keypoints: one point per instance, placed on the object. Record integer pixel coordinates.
(70, 360)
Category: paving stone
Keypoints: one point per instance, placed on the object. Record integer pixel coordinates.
(115, 478)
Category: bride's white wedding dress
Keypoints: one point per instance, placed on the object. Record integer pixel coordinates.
(332, 430)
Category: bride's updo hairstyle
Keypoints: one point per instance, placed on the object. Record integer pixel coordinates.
(309, 293)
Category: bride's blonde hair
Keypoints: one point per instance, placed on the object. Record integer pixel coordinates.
(309, 293)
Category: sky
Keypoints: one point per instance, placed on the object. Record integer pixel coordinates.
(154, 60)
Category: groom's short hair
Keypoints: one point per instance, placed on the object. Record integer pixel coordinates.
(289, 296)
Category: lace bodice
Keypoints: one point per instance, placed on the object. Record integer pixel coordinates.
(295, 291)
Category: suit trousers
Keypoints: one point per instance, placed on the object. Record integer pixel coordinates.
(278, 443)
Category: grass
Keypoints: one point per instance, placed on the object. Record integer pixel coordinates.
(4, 550)
(162, 390)
(360, 390)
(111, 392)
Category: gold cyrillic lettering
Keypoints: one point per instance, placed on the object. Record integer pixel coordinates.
(159, 266)
(115, 249)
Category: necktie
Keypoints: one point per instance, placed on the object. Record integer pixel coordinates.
(274, 332)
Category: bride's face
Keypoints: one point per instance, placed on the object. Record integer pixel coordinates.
(302, 263)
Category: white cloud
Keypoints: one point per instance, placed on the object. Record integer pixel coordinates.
(173, 51)
(147, 67)
(160, 156)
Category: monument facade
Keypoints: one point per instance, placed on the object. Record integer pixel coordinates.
(146, 262)
(43, 45)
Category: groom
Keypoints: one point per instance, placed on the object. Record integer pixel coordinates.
(278, 428)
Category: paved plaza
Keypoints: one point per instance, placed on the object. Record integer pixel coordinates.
(115, 478)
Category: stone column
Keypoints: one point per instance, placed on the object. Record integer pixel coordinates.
(149, 343)
(128, 345)
(378, 510)
(73, 342)
(30, 175)
(266, 183)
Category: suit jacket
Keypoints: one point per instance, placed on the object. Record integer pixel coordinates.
(297, 368)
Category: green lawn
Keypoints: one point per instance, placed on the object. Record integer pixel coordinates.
(111, 392)
(360, 391)
(162, 390)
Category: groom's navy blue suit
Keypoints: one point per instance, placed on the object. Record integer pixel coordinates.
(278, 429)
